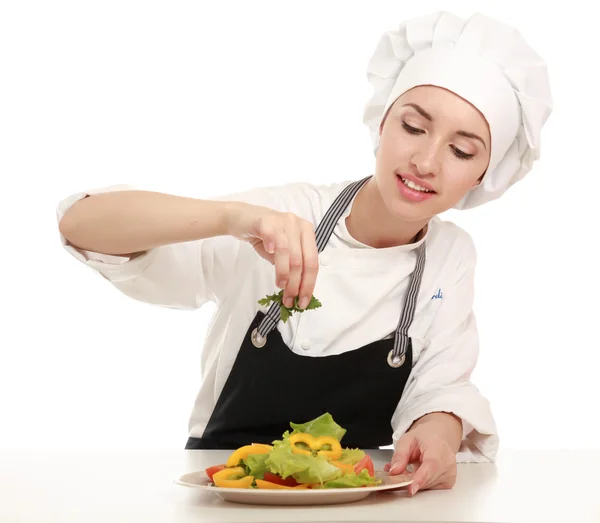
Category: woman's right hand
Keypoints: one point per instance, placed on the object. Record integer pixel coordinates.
(285, 240)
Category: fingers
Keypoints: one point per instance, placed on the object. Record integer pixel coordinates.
(425, 476)
(310, 257)
(407, 451)
(438, 469)
(281, 258)
(289, 243)
(292, 232)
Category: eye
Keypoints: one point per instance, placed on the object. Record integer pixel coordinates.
(461, 154)
(455, 150)
(412, 130)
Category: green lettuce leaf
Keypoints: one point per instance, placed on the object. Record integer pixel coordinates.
(321, 426)
(255, 463)
(304, 469)
(351, 456)
(352, 480)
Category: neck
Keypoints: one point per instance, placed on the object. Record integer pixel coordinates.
(371, 223)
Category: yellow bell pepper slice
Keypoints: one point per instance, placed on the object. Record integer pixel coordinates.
(262, 484)
(221, 478)
(316, 444)
(302, 438)
(244, 452)
(263, 445)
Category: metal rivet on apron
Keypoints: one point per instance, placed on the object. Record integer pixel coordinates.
(257, 340)
(396, 362)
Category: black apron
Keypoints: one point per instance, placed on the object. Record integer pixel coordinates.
(269, 385)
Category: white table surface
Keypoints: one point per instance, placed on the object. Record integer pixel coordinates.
(129, 486)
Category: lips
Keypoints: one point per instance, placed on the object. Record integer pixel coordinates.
(416, 180)
(412, 195)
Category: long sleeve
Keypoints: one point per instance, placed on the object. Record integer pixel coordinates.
(440, 380)
(182, 275)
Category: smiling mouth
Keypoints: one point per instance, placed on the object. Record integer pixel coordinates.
(412, 185)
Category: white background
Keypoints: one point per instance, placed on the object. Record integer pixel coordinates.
(206, 98)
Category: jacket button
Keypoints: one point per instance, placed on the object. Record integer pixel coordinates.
(305, 344)
(325, 260)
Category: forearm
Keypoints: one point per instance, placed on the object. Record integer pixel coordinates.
(125, 222)
(446, 426)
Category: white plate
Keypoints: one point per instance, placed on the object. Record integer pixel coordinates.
(201, 481)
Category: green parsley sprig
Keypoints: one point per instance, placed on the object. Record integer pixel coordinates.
(286, 312)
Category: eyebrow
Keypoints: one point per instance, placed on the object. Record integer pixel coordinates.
(427, 116)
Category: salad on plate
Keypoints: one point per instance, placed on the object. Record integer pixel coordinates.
(310, 456)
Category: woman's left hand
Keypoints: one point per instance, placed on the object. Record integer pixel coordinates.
(431, 452)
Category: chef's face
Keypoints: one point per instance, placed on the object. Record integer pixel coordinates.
(430, 139)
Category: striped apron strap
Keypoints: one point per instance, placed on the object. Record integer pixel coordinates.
(397, 355)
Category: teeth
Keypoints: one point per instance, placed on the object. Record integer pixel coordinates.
(414, 186)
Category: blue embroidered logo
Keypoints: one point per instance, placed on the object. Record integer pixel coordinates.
(438, 296)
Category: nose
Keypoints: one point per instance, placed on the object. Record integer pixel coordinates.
(426, 160)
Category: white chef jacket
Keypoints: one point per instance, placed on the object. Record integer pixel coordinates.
(362, 291)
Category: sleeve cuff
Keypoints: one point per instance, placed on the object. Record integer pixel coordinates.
(480, 439)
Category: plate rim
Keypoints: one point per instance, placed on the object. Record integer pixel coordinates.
(301, 492)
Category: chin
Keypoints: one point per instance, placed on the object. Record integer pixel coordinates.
(408, 211)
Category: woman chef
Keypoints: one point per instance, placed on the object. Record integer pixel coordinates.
(455, 117)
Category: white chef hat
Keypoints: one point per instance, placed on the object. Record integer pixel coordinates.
(483, 61)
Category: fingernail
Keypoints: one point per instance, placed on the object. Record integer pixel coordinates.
(270, 247)
(288, 302)
(414, 488)
(282, 284)
(304, 302)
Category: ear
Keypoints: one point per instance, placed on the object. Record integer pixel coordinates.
(478, 182)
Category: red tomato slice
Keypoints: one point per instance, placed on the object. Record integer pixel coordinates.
(365, 463)
(210, 471)
(276, 478)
